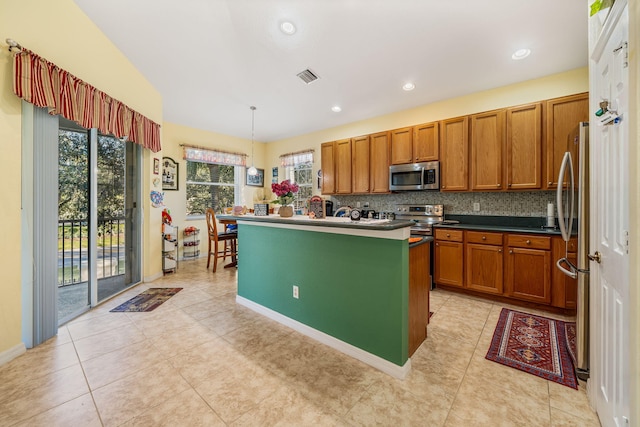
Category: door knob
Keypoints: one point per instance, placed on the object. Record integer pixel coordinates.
(597, 257)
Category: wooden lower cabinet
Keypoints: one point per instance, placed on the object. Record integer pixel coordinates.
(528, 274)
(515, 266)
(418, 295)
(449, 263)
(484, 268)
(564, 288)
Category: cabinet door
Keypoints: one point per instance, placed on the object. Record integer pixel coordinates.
(379, 162)
(343, 166)
(484, 268)
(449, 263)
(563, 116)
(524, 147)
(360, 157)
(454, 154)
(487, 146)
(564, 289)
(327, 159)
(528, 274)
(418, 295)
(426, 142)
(402, 146)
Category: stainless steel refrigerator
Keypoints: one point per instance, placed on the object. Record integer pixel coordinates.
(573, 217)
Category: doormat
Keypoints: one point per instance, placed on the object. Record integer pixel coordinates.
(533, 344)
(148, 300)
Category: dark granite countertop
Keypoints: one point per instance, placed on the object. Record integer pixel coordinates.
(534, 225)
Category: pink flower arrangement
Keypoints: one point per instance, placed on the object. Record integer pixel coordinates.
(284, 191)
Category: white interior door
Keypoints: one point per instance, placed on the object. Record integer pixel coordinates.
(609, 230)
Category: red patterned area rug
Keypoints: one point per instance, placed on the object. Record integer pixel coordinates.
(570, 333)
(148, 300)
(533, 344)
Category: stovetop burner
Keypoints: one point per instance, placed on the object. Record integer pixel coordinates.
(424, 216)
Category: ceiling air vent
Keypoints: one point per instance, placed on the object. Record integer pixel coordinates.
(307, 76)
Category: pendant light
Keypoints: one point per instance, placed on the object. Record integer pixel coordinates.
(252, 170)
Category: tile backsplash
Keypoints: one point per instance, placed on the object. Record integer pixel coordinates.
(526, 203)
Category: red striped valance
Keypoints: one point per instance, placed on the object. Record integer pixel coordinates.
(44, 84)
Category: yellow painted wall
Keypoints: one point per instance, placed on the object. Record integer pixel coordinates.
(574, 81)
(60, 32)
(173, 136)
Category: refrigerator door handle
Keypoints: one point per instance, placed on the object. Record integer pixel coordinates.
(568, 228)
(573, 272)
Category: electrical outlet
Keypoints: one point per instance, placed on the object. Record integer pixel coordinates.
(476, 207)
(296, 292)
(357, 204)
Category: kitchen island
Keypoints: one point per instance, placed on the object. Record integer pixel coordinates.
(340, 282)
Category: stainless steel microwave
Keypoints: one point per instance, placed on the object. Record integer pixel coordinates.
(415, 176)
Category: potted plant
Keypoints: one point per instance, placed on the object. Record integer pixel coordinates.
(285, 192)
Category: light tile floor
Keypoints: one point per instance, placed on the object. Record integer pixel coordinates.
(202, 360)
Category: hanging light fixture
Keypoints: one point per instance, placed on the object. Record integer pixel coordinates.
(252, 170)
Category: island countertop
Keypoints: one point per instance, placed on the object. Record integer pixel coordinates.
(382, 228)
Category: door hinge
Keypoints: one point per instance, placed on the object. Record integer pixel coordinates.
(626, 241)
(625, 57)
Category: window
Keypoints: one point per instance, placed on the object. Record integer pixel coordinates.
(211, 185)
(301, 174)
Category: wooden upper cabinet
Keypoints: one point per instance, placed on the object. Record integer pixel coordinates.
(524, 147)
(361, 161)
(563, 117)
(426, 142)
(402, 146)
(454, 154)
(343, 166)
(380, 160)
(328, 164)
(487, 146)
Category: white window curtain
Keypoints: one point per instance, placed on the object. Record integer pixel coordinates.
(294, 159)
(216, 157)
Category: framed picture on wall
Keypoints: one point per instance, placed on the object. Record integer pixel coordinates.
(256, 180)
(169, 174)
(156, 166)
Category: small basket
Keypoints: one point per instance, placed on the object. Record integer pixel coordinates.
(261, 209)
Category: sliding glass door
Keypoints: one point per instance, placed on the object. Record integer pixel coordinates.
(98, 219)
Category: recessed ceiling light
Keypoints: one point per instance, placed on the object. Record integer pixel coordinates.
(521, 54)
(336, 109)
(288, 27)
(408, 86)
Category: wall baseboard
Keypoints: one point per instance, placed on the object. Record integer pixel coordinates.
(8, 355)
(377, 362)
(152, 278)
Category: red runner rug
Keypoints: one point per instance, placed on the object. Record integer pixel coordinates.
(148, 300)
(533, 344)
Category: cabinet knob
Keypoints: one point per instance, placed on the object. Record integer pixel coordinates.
(448, 235)
(528, 242)
(497, 185)
(484, 237)
(499, 251)
(510, 251)
(437, 244)
(549, 183)
(444, 186)
(509, 184)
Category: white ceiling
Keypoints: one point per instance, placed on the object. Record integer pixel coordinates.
(212, 59)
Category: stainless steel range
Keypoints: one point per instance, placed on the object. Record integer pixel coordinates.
(424, 217)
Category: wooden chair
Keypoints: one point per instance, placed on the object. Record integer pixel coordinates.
(215, 237)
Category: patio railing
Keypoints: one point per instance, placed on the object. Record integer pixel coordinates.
(73, 249)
